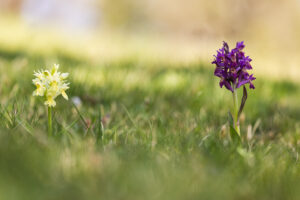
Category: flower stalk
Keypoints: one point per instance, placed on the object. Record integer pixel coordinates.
(50, 130)
(236, 111)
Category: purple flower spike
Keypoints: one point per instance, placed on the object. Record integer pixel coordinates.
(232, 67)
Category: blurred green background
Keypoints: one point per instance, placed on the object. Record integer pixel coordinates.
(168, 29)
(150, 120)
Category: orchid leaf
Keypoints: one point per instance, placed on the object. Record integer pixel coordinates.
(234, 135)
(243, 101)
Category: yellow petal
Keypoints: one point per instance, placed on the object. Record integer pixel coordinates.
(63, 93)
(54, 69)
(50, 102)
(35, 93)
(53, 84)
(39, 90)
(35, 81)
(46, 73)
(64, 75)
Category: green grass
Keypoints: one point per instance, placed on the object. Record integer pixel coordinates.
(163, 134)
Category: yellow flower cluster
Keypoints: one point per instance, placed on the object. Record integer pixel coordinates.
(50, 84)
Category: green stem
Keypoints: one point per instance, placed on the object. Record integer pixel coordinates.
(236, 110)
(49, 121)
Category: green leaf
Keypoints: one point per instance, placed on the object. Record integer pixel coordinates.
(100, 127)
(80, 116)
(243, 101)
(234, 135)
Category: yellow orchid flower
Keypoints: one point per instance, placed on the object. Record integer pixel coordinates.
(50, 84)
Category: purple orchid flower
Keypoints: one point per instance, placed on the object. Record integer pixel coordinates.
(232, 67)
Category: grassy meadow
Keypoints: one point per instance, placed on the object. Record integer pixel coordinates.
(142, 129)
